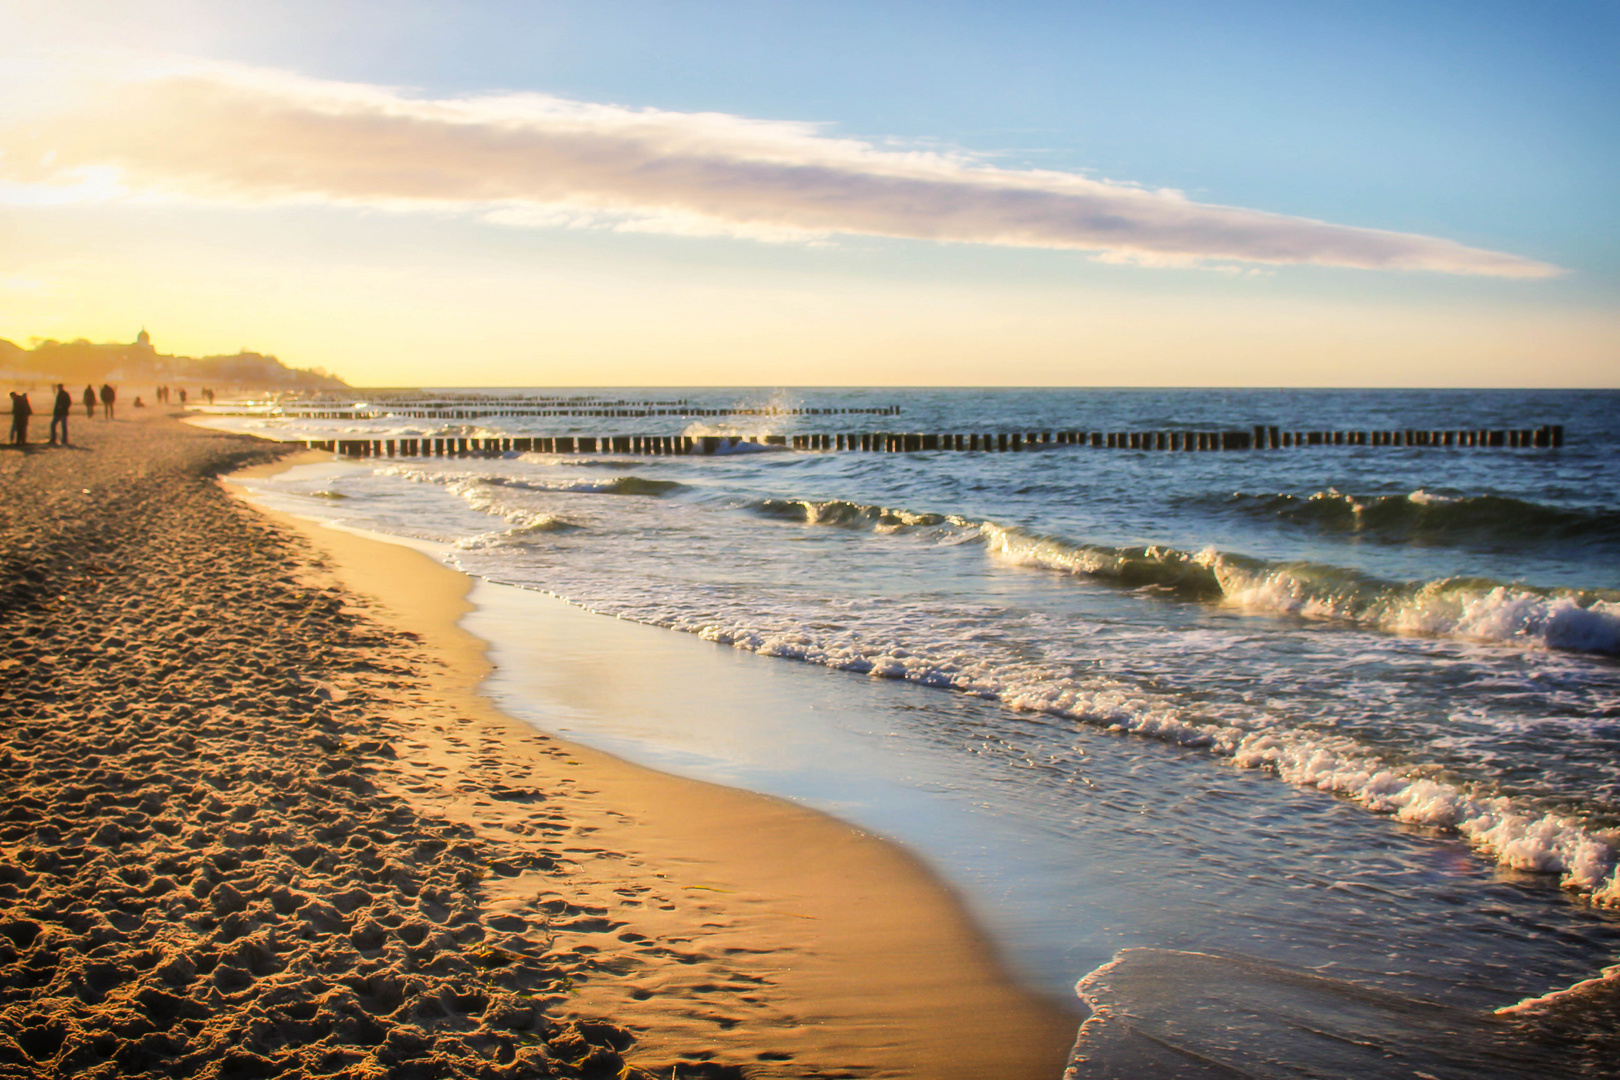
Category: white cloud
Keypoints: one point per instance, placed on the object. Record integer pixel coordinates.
(220, 133)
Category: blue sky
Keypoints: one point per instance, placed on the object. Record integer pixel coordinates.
(1490, 126)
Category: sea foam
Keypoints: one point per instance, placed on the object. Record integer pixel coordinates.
(1516, 836)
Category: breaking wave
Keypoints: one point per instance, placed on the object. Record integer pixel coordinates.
(463, 483)
(1469, 608)
(851, 515)
(619, 485)
(528, 527)
(1426, 518)
(1515, 835)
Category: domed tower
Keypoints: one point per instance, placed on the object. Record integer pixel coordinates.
(143, 340)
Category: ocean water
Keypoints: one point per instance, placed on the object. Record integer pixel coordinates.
(1333, 732)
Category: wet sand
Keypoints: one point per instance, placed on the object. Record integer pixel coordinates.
(258, 821)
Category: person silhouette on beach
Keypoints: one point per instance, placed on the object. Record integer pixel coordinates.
(20, 412)
(89, 403)
(108, 396)
(59, 413)
(182, 397)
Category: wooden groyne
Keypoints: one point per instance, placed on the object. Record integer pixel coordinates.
(455, 410)
(1260, 437)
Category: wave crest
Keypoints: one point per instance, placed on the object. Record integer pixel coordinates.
(1469, 608)
(463, 483)
(1513, 834)
(1422, 517)
(526, 528)
(1478, 609)
(1150, 566)
(850, 515)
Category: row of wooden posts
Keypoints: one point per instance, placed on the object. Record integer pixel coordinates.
(1261, 437)
(423, 412)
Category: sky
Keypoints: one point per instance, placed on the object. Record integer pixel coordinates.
(634, 193)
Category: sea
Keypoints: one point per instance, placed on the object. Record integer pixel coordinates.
(1298, 762)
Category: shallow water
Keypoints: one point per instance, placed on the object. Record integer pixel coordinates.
(1351, 711)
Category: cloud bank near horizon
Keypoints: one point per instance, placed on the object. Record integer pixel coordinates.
(230, 134)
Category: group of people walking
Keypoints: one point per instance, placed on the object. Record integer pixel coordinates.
(165, 394)
(61, 407)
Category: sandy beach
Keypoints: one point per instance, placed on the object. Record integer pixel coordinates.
(258, 821)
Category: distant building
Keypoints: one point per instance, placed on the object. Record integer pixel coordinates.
(143, 340)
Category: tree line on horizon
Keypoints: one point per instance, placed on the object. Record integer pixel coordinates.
(90, 362)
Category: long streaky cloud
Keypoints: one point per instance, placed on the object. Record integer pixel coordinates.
(221, 133)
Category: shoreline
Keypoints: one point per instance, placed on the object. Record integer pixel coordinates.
(257, 822)
(838, 949)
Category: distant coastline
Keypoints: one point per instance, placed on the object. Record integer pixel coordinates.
(47, 361)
